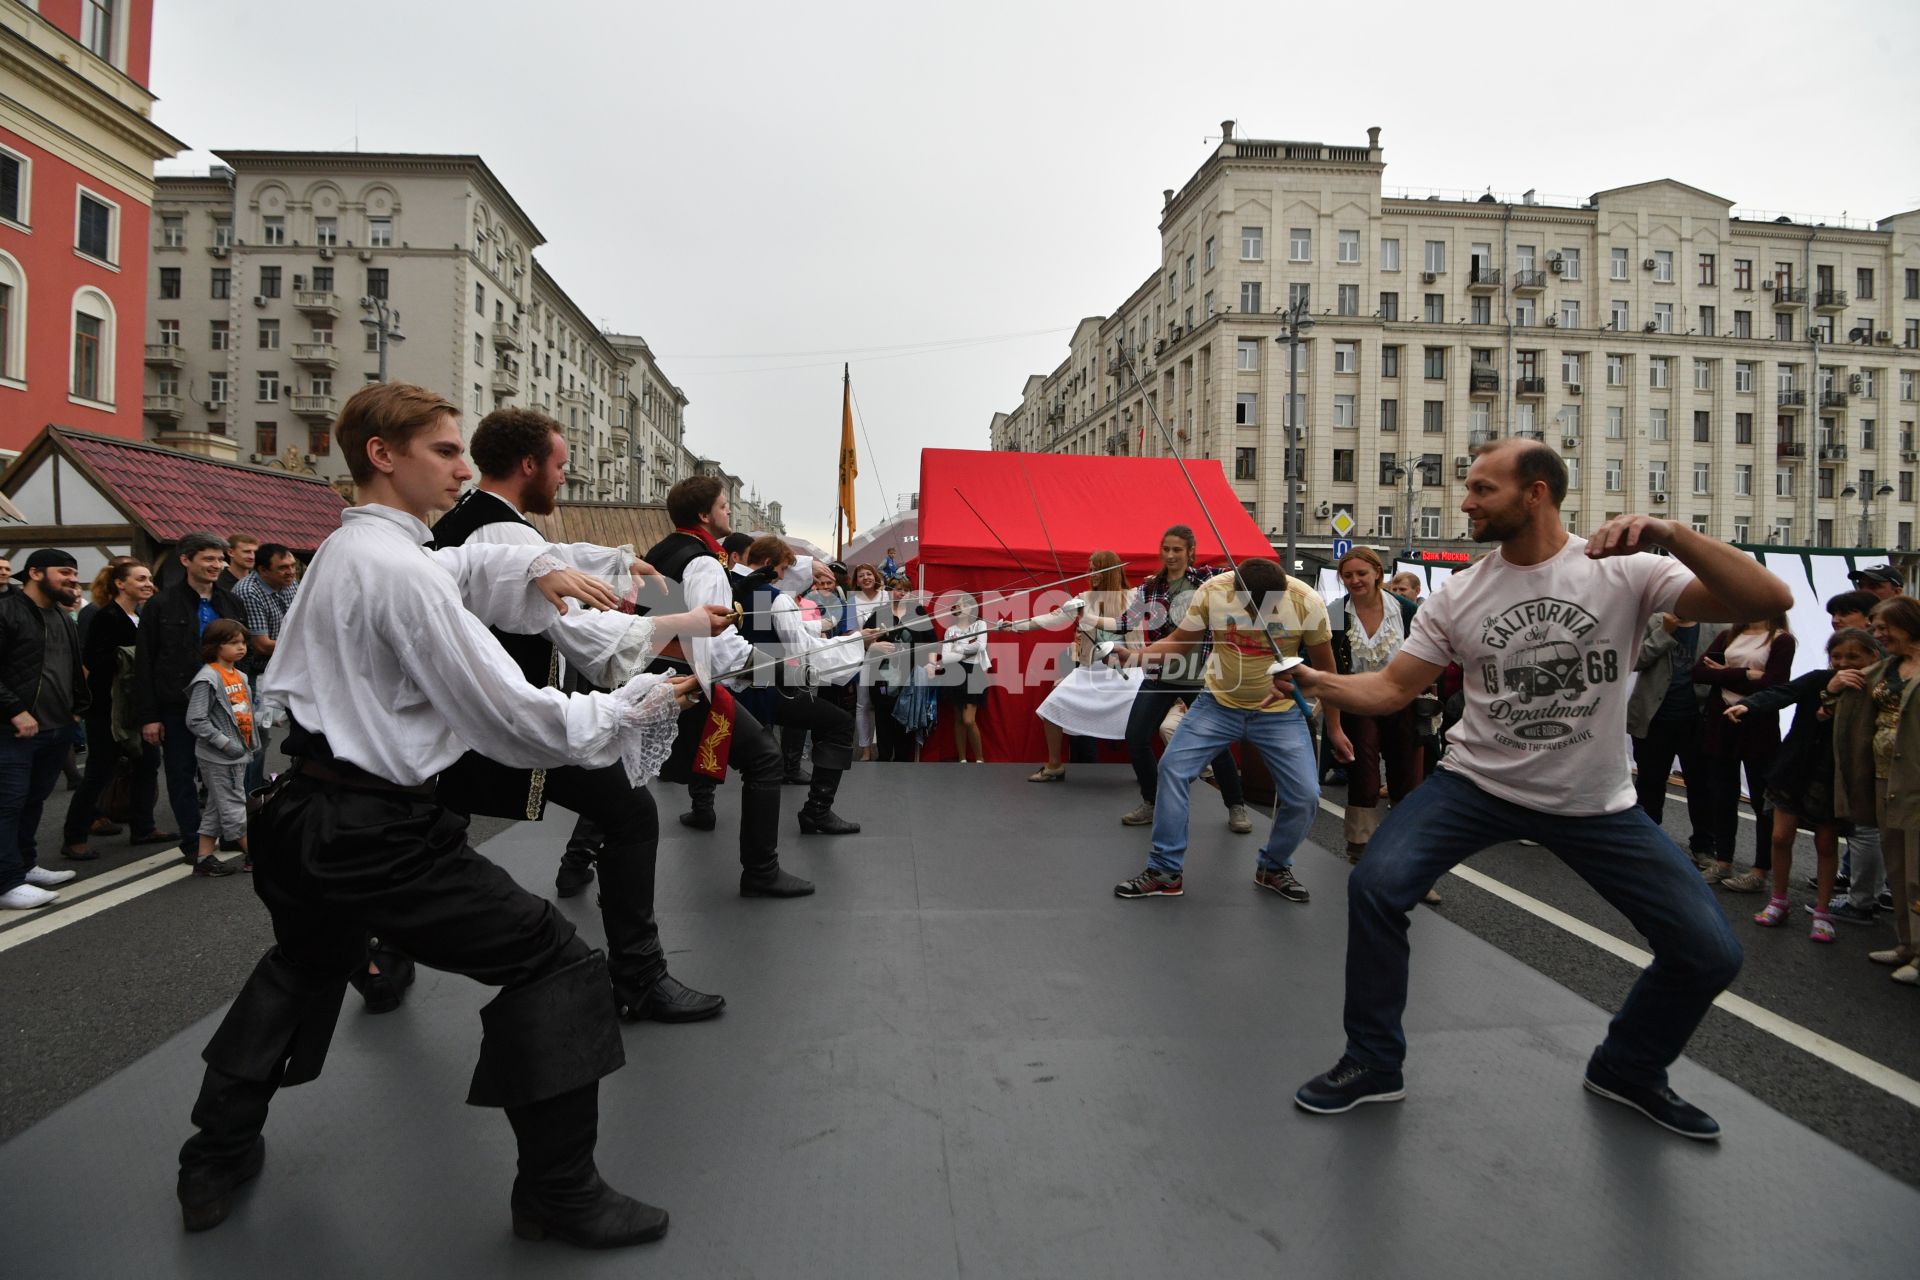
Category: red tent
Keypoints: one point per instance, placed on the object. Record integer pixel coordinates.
(1048, 509)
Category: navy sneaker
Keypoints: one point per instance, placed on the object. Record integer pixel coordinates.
(1850, 913)
(1662, 1106)
(1347, 1086)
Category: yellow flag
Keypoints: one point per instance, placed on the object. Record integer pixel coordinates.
(849, 463)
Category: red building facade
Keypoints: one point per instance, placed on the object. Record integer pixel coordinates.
(77, 149)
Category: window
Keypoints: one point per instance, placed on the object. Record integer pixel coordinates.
(1663, 317)
(479, 349)
(1436, 259)
(1389, 416)
(173, 231)
(169, 283)
(1618, 264)
(1743, 428)
(1743, 273)
(479, 299)
(376, 282)
(1433, 417)
(1569, 313)
(1824, 488)
(223, 232)
(13, 187)
(323, 279)
(269, 282)
(1523, 312)
(1783, 482)
(1742, 480)
(1295, 410)
(266, 437)
(1703, 375)
(1657, 476)
(1912, 276)
(1383, 521)
(1480, 417)
(1663, 266)
(1906, 486)
(1189, 271)
(1299, 295)
(326, 231)
(1905, 538)
(1249, 297)
(1863, 284)
(1206, 305)
(1389, 306)
(1569, 264)
(380, 232)
(1706, 268)
(1429, 523)
(373, 341)
(220, 336)
(1570, 368)
(1702, 426)
(1436, 362)
(1569, 421)
(96, 27)
(267, 387)
(1390, 261)
(88, 335)
(1343, 414)
(1343, 464)
(1906, 384)
(273, 230)
(320, 384)
(1743, 324)
(1617, 316)
(1246, 355)
(1390, 363)
(1656, 424)
(1349, 246)
(1250, 244)
(1434, 308)
(1866, 435)
(1616, 476)
(1709, 319)
(1742, 529)
(1346, 357)
(216, 388)
(1911, 337)
(1246, 409)
(1616, 371)
(1480, 310)
(1616, 422)
(319, 441)
(95, 227)
(1347, 298)
(1300, 244)
(269, 335)
(1658, 372)
(1573, 476)
(1211, 256)
(1389, 467)
(222, 283)
(1866, 385)
(1245, 464)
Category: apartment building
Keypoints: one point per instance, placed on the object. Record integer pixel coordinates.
(77, 149)
(283, 280)
(1754, 376)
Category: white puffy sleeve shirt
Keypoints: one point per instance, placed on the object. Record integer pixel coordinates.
(381, 656)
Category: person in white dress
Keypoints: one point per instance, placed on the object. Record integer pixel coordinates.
(1094, 698)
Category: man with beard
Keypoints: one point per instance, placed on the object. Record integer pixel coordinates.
(42, 692)
(1547, 628)
(692, 556)
(522, 458)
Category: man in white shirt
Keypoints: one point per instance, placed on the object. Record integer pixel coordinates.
(1546, 629)
(389, 676)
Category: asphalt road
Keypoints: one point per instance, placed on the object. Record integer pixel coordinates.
(89, 998)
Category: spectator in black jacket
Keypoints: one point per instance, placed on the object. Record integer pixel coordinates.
(119, 592)
(166, 659)
(42, 693)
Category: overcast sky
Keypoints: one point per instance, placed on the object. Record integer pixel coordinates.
(937, 194)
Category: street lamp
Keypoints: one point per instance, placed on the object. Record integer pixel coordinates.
(1294, 322)
(1404, 469)
(385, 321)
(1866, 508)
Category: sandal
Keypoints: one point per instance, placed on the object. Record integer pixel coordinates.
(1774, 913)
(1822, 928)
(1048, 775)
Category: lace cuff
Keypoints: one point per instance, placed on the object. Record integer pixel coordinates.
(543, 564)
(639, 644)
(649, 722)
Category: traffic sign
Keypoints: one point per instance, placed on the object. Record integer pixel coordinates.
(1343, 523)
(1341, 546)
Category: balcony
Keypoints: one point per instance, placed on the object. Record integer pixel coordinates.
(1832, 399)
(1793, 400)
(166, 355)
(1787, 296)
(165, 406)
(1480, 439)
(1833, 453)
(1529, 281)
(1483, 382)
(1484, 280)
(1829, 299)
(506, 378)
(319, 304)
(1535, 388)
(577, 399)
(319, 354)
(506, 335)
(326, 407)
(1789, 449)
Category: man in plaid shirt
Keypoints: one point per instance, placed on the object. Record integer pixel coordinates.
(1157, 604)
(266, 594)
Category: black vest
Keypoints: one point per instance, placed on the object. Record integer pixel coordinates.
(476, 784)
(673, 553)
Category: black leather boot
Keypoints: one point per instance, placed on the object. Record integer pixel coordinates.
(671, 1000)
(701, 817)
(576, 864)
(769, 881)
(228, 1150)
(383, 991)
(559, 1193)
(817, 817)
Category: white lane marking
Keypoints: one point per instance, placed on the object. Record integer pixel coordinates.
(1857, 1065)
(75, 890)
(58, 918)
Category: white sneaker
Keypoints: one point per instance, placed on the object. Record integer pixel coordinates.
(46, 879)
(25, 897)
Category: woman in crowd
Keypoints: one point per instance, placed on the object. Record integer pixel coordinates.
(962, 667)
(891, 676)
(1800, 784)
(1876, 747)
(873, 611)
(1091, 700)
(1743, 660)
(119, 592)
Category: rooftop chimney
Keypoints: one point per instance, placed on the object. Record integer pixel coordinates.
(1166, 197)
(1373, 138)
(1226, 131)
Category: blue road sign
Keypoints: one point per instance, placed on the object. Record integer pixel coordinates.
(1341, 546)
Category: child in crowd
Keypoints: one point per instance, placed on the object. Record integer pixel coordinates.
(220, 717)
(1799, 787)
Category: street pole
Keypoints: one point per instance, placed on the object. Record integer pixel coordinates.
(1296, 320)
(385, 325)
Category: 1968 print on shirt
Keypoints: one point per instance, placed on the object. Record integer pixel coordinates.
(1546, 670)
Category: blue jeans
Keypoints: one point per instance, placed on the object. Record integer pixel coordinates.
(1284, 743)
(28, 769)
(1629, 860)
(183, 779)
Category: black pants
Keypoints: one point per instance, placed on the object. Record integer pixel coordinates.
(334, 865)
(103, 762)
(755, 756)
(1150, 707)
(628, 826)
(892, 743)
(1722, 801)
(1653, 757)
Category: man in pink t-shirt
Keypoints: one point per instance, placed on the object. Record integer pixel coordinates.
(1546, 630)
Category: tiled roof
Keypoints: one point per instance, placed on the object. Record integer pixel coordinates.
(609, 524)
(176, 493)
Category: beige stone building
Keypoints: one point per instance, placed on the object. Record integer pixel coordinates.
(1752, 375)
(290, 270)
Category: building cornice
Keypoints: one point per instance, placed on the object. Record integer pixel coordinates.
(554, 294)
(391, 164)
(26, 64)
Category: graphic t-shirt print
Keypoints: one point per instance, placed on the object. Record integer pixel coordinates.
(1547, 666)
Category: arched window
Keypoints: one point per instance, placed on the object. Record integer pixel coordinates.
(91, 375)
(13, 321)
